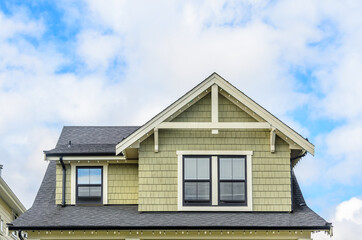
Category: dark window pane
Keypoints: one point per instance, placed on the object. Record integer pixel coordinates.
(190, 168)
(83, 175)
(203, 168)
(89, 185)
(203, 191)
(83, 191)
(232, 168)
(226, 168)
(190, 191)
(239, 168)
(239, 191)
(226, 191)
(95, 191)
(95, 176)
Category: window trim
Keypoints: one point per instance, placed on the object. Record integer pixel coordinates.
(196, 203)
(77, 185)
(73, 181)
(245, 181)
(214, 181)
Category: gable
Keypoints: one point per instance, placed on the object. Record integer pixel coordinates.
(182, 114)
(201, 111)
(229, 112)
(198, 112)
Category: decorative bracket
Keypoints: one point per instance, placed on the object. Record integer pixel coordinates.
(155, 133)
(272, 140)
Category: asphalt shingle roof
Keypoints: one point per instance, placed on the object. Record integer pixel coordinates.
(90, 140)
(45, 214)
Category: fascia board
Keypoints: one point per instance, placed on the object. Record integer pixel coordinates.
(169, 111)
(10, 196)
(264, 114)
(86, 158)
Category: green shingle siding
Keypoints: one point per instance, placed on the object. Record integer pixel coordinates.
(59, 184)
(158, 171)
(122, 184)
(199, 112)
(229, 112)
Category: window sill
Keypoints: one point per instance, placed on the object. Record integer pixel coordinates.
(216, 208)
(89, 204)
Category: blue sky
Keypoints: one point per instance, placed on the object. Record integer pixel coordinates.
(87, 62)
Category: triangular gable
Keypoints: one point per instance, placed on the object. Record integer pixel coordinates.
(231, 94)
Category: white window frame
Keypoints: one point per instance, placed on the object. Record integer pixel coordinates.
(1, 225)
(214, 181)
(73, 180)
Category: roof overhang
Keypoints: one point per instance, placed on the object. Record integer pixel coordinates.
(10, 198)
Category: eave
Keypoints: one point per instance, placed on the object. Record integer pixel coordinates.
(10, 198)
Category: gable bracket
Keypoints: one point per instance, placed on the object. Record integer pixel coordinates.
(155, 134)
(214, 107)
(272, 140)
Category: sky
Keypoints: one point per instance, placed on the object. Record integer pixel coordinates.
(121, 62)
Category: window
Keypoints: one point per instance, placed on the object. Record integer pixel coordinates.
(215, 181)
(232, 184)
(89, 185)
(197, 182)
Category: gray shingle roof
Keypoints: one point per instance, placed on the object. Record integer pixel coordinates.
(90, 140)
(45, 214)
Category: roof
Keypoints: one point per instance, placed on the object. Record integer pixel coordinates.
(192, 96)
(46, 215)
(86, 140)
(10, 198)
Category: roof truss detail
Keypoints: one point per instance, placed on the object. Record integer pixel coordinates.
(216, 84)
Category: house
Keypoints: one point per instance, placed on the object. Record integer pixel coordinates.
(10, 209)
(212, 165)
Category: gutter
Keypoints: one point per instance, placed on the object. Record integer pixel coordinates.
(20, 236)
(64, 175)
(326, 227)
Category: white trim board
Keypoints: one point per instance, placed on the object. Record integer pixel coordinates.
(86, 158)
(232, 92)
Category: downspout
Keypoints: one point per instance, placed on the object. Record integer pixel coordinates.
(291, 177)
(20, 236)
(64, 175)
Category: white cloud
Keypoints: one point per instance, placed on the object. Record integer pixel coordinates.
(98, 50)
(347, 221)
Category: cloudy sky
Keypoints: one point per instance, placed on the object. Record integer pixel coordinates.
(121, 62)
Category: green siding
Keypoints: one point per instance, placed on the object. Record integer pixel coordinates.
(199, 112)
(59, 184)
(122, 184)
(229, 112)
(158, 171)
